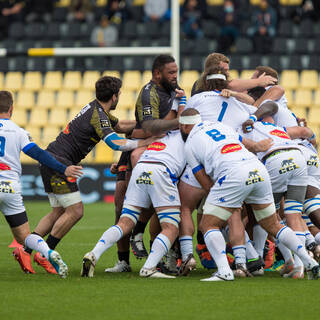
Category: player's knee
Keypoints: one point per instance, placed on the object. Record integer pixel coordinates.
(311, 205)
(169, 216)
(130, 212)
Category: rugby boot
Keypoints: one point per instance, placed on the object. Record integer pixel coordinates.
(154, 273)
(218, 276)
(24, 259)
(57, 262)
(120, 266)
(138, 247)
(43, 262)
(188, 265)
(88, 265)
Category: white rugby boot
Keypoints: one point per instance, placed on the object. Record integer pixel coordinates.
(88, 265)
(153, 273)
(228, 276)
(120, 266)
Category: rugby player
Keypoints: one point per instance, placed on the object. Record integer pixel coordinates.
(13, 140)
(229, 178)
(92, 124)
(153, 182)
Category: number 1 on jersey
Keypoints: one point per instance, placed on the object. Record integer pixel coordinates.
(223, 110)
(2, 145)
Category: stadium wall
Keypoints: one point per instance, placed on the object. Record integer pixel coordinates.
(96, 184)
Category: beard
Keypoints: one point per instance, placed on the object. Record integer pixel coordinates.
(184, 136)
(168, 86)
(114, 104)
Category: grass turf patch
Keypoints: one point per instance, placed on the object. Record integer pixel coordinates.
(127, 296)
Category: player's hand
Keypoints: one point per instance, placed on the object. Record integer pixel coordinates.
(264, 80)
(113, 168)
(73, 171)
(263, 145)
(226, 93)
(247, 126)
(179, 93)
(302, 122)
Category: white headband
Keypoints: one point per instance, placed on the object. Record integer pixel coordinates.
(195, 119)
(216, 76)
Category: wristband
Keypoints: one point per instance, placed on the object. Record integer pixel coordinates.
(183, 101)
(253, 118)
(312, 137)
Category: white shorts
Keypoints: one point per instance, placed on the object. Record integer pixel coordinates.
(150, 184)
(11, 201)
(313, 165)
(189, 178)
(287, 168)
(249, 182)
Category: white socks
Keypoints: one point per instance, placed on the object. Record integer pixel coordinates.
(217, 248)
(186, 246)
(259, 239)
(286, 253)
(160, 247)
(110, 237)
(317, 238)
(290, 240)
(250, 250)
(35, 242)
(239, 253)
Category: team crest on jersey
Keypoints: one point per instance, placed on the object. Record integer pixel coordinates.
(253, 177)
(280, 134)
(288, 165)
(144, 178)
(6, 187)
(147, 111)
(231, 148)
(156, 146)
(104, 123)
(313, 161)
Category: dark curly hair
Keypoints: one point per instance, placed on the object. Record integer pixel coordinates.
(106, 87)
(213, 84)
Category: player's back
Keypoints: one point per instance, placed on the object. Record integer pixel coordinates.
(169, 150)
(213, 107)
(13, 140)
(216, 145)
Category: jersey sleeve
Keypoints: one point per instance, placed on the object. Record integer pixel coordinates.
(25, 140)
(103, 122)
(148, 104)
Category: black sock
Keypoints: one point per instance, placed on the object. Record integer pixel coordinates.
(52, 242)
(200, 238)
(124, 255)
(28, 250)
(139, 228)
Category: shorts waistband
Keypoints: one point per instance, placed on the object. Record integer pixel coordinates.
(276, 152)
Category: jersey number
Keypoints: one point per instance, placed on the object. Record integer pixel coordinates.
(215, 135)
(223, 110)
(2, 145)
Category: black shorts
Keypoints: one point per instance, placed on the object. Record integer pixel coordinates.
(123, 165)
(55, 182)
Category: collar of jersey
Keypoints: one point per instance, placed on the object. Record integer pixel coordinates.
(4, 119)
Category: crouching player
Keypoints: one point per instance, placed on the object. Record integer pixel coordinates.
(232, 175)
(153, 182)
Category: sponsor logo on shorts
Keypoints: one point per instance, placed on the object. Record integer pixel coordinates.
(104, 123)
(6, 187)
(253, 177)
(122, 168)
(72, 180)
(313, 161)
(280, 134)
(147, 111)
(231, 148)
(144, 178)
(156, 146)
(288, 165)
(172, 198)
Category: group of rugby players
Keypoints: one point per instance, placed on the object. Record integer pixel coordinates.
(233, 151)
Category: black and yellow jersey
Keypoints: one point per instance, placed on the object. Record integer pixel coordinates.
(82, 133)
(153, 102)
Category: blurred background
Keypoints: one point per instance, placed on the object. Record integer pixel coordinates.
(50, 90)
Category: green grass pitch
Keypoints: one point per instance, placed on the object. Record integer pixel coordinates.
(126, 296)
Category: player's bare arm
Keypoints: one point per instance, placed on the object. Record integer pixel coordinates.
(300, 133)
(274, 93)
(241, 96)
(245, 84)
(269, 108)
(205, 181)
(125, 126)
(159, 126)
(260, 146)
